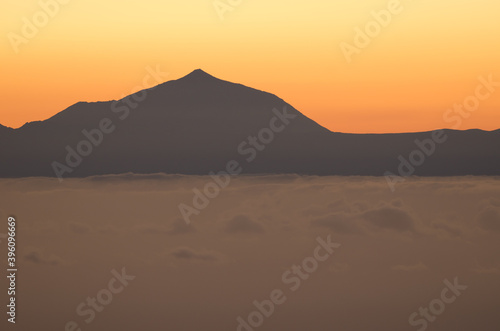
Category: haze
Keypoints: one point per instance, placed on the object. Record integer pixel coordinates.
(396, 251)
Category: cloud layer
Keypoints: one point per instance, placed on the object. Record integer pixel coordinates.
(396, 250)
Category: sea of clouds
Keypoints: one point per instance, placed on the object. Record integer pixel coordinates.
(396, 250)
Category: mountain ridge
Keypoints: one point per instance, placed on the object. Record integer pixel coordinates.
(197, 123)
(199, 75)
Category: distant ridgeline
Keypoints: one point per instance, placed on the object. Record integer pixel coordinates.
(197, 124)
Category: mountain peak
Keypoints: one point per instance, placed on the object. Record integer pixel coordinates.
(199, 77)
(198, 73)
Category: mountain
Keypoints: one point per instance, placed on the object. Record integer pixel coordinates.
(198, 123)
(4, 129)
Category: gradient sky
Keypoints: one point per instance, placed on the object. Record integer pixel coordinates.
(424, 61)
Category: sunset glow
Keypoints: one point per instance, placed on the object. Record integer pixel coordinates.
(427, 59)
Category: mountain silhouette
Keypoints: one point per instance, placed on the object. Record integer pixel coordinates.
(196, 124)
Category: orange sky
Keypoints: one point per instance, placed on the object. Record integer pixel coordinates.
(426, 59)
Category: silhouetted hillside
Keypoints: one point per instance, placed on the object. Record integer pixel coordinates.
(198, 123)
